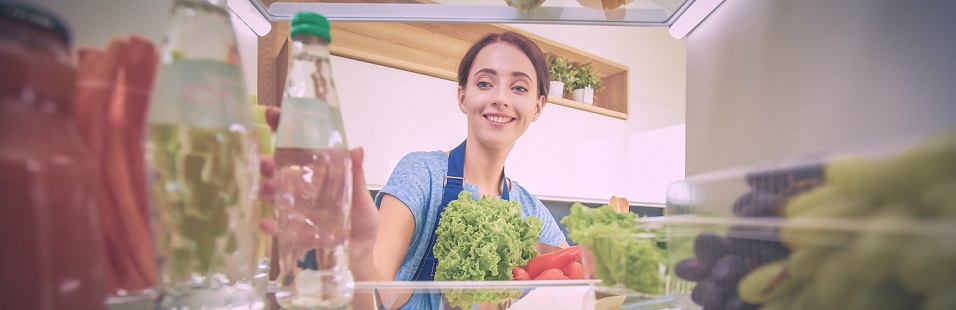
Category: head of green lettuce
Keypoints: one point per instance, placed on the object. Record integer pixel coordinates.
(483, 240)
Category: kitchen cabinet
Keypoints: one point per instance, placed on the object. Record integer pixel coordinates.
(430, 43)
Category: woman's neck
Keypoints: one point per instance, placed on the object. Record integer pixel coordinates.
(483, 167)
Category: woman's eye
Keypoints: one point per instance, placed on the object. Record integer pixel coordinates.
(520, 88)
(483, 84)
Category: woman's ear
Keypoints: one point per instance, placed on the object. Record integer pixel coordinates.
(461, 99)
(538, 106)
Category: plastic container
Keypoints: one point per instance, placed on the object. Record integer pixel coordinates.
(51, 251)
(868, 228)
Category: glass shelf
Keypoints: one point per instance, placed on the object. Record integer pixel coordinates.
(585, 12)
(573, 294)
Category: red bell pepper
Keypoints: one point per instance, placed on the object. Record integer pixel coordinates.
(554, 260)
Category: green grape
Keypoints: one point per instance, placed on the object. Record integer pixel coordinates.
(943, 298)
(834, 282)
(779, 304)
(767, 283)
(875, 255)
(804, 299)
(928, 264)
(804, 262)
(940, 199)
(879, 297)
(860, 176)
(810, 200)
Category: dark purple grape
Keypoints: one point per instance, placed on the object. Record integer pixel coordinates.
(735, 303)
(713, 299)
(728, 270)
(692, 269)
(706, 292)
(788, 182)
(759, 204)
(698, 291)
(708, 247)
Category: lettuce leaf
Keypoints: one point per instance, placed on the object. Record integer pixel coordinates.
(622, 257)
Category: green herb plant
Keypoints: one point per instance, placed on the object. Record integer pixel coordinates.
(585, 76)
(560, 70)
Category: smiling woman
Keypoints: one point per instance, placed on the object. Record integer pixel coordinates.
(502, 89)
(393, 235)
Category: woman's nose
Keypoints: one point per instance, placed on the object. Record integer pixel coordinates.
(500, 97)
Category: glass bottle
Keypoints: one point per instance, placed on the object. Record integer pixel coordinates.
(204, 166)
(51, 254)
(313, 177)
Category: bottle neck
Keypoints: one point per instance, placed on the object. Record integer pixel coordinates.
(310, 73)
(200, 29)
(311, 45)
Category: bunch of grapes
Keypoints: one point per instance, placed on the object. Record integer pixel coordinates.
(721, 261)
(886, 241)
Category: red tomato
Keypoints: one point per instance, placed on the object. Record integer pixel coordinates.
(520, 274)
(553, 260)
(552, 274)
(574, 271)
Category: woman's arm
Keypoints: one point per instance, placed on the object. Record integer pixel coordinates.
(394, 236)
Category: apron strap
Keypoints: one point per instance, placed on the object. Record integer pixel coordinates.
(453, 185)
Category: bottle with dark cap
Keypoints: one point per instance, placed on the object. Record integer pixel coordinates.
(313, 177)
(51, 254)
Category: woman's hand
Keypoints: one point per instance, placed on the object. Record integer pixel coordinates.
(364, 215)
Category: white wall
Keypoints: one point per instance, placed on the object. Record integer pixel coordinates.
(773, 79)
(567, 154)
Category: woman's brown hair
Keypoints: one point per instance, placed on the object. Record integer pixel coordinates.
(520, 41)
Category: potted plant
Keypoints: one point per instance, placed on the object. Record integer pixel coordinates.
(584, 82)
(560, 70)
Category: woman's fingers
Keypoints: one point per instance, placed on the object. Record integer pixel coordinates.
(267, 165)
(272, 117)
(269, 227)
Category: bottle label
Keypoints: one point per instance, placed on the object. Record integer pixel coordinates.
(310, 123)
(202, 93)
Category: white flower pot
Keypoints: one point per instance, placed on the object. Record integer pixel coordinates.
(583, 95)
(556, 90)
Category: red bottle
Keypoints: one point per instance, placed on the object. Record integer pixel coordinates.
(51, 253)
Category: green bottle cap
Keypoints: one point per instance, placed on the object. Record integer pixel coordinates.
(310, 23)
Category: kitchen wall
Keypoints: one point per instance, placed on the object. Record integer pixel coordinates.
(773, 79)
(568, 154)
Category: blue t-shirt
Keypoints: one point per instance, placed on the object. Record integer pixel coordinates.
(418, 181)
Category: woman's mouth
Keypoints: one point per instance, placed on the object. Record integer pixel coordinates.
(497, 119)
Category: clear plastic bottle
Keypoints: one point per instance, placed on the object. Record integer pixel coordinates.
(313, 175)
(204, 168)
(51, 254)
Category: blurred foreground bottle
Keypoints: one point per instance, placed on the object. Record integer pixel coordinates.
(51, 254)
(313, 176)
(204, 166)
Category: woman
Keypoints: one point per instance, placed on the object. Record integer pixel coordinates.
(502, 88)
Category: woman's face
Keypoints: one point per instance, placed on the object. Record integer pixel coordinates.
(500, 97)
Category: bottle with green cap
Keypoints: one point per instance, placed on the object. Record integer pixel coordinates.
(203, 165)
(313, 177)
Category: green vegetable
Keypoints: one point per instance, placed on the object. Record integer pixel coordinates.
(621, 256)
(482, 240)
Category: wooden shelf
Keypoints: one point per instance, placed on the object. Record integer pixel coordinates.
(434, 49)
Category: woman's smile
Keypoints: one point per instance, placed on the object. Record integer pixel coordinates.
(499, 119)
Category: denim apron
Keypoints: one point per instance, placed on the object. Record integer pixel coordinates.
(454, 181)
